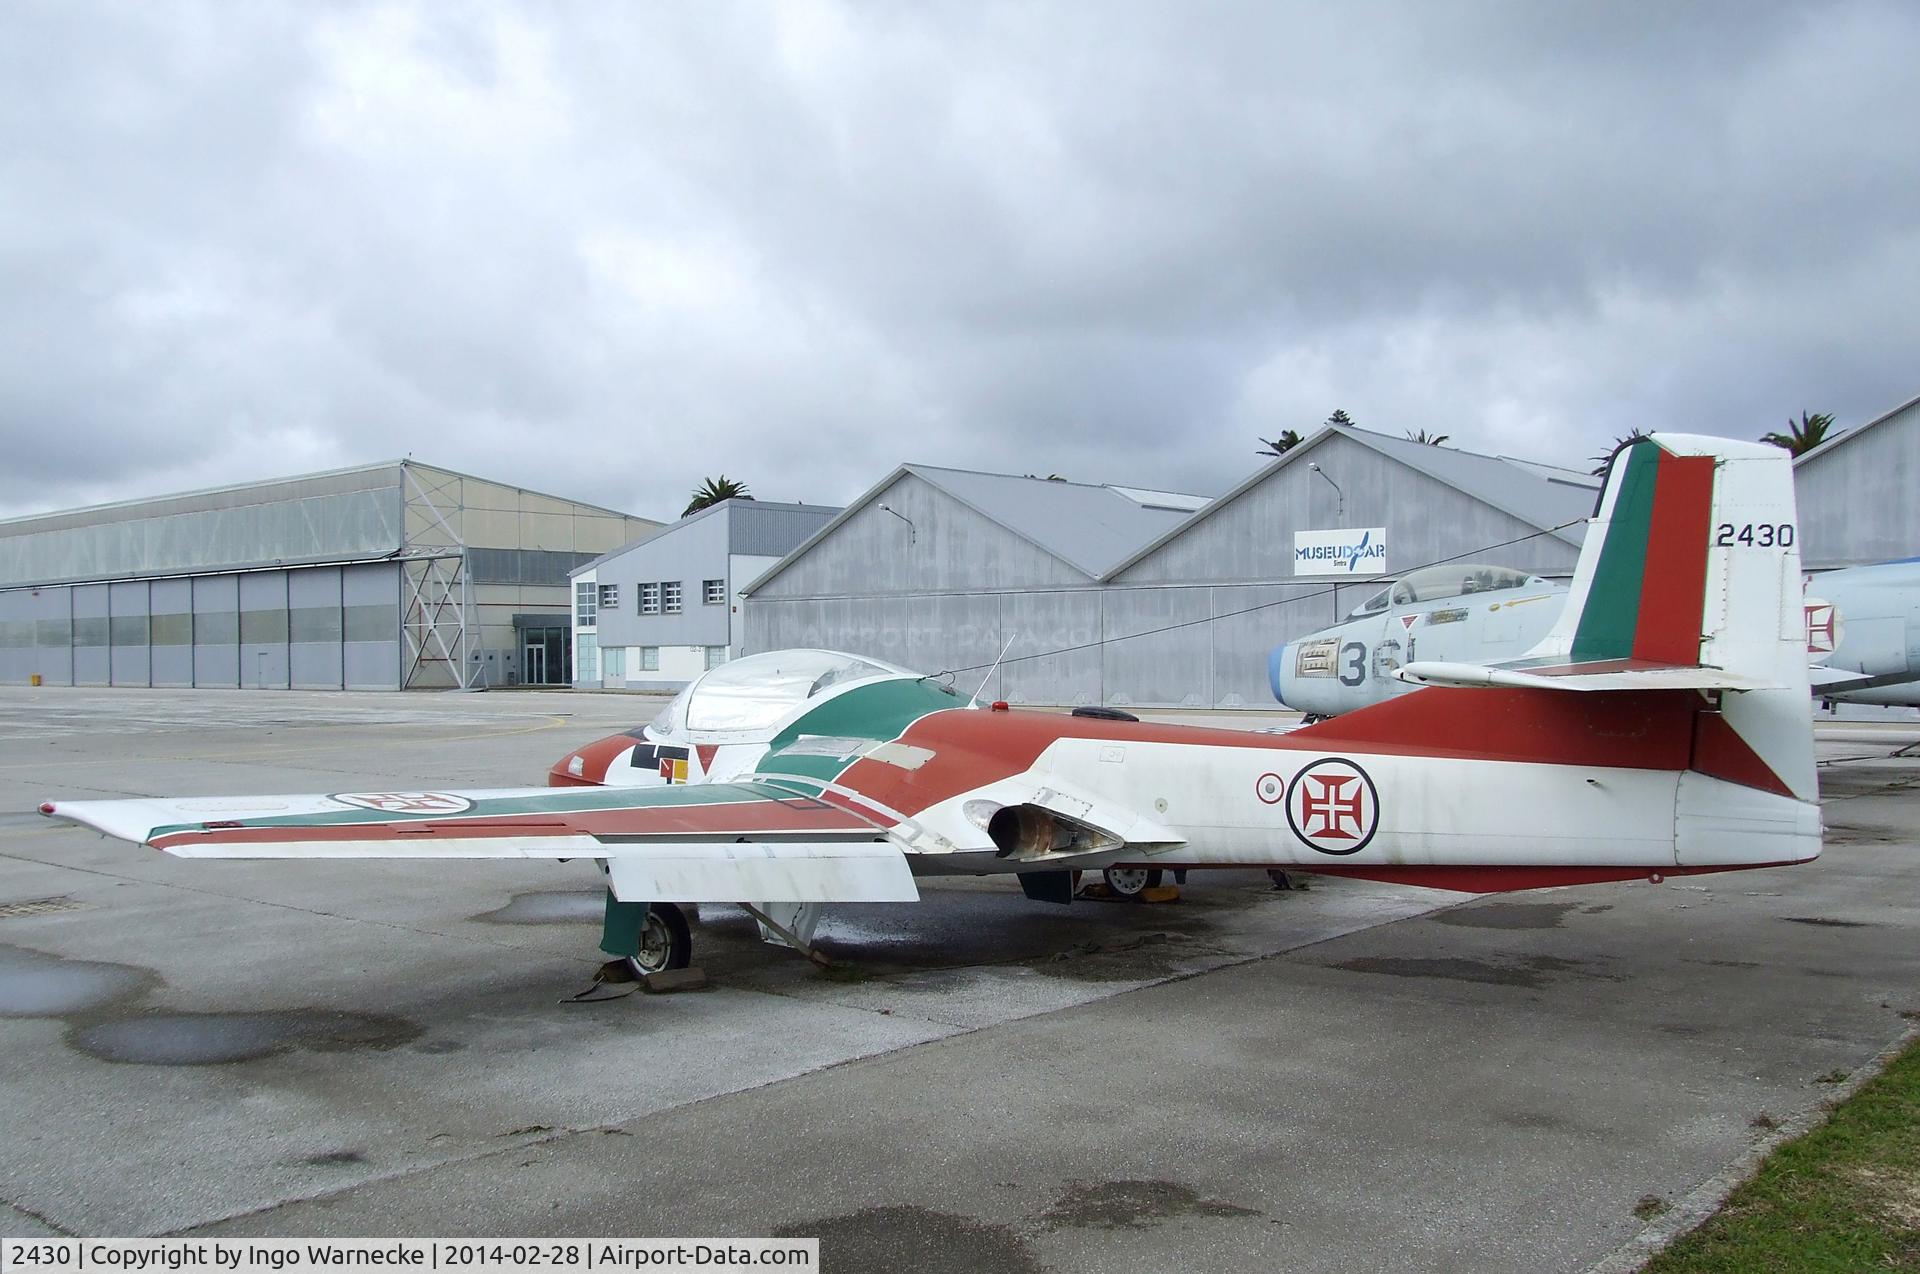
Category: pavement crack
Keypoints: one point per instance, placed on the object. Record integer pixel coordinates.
(41, 1217)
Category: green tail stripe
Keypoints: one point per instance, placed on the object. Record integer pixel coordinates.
(1612, 610)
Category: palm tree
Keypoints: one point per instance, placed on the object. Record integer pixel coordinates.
(713, 491)
(1601, 461)
(1339, 417)
(1426, 439)
(1280, 446)
(1804, 434)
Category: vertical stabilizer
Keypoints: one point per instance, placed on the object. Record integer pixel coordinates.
(1689, 580)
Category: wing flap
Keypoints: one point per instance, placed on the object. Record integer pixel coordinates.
(791, 871)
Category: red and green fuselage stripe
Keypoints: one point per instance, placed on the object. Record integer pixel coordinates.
(1649, 587)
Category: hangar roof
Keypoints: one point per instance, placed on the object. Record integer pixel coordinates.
(755, 528)
(352, 514)
(1541, 495)
(1846, 436)
(1088, 526)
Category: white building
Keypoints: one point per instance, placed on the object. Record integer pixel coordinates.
(662, 610)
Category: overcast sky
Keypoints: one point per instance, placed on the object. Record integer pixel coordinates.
(608, 249)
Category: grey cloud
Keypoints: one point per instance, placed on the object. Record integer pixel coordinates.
(608, 251)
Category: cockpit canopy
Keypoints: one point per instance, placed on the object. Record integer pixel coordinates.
(1451, 579)
(744, 699)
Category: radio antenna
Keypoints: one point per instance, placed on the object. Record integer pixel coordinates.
(995, 668)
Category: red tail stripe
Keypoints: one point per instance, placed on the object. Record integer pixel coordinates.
(1673, 584)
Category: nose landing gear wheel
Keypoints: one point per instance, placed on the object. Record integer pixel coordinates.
(1131, 882)
(665, 941)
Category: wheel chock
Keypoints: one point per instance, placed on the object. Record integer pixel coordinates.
(666, 982)
(1098, 892)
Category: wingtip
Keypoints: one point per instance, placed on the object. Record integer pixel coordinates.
(46, 807)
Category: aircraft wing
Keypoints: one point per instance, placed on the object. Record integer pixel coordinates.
(703, 842)
(1830, 680)
(1612, 674)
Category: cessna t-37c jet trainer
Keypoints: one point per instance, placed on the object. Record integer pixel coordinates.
(1662, 728)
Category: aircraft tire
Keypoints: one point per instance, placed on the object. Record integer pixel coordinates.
(1130, 882)
(665, 941)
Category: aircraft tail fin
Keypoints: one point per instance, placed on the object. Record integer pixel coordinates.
(1689, 579)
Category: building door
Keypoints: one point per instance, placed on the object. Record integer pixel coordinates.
(547, 652)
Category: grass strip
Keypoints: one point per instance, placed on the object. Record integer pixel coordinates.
(1842, 1196)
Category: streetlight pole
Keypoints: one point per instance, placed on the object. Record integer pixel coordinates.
(1339, 516)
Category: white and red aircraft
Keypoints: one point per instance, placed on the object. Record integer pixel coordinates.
(1662, 728)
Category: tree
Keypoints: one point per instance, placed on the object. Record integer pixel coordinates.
(713, 491)
(1280, 446)
(1804, 434)
(1426, 439)
(1339, 417)
(1601, 461)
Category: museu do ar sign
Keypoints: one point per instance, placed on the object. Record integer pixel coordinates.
(1360, 551)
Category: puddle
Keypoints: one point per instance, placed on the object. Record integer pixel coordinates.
(1507, 915)
(34, 984)
(886, 1240)
(1530, 973)
(1130, 1205)
(160, 1038)
(551, 907)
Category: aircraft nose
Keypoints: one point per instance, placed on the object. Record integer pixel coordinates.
(587, 767)
(1278, 677)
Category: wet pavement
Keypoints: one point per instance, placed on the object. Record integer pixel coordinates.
(1247, 1079)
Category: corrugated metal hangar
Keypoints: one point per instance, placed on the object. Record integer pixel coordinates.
(1104, 594)
(1859, 494)
(379, 577)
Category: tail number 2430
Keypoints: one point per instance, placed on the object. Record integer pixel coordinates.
(1763, 535)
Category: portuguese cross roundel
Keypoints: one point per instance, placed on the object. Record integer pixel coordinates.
(1333, 807)
(407, 802)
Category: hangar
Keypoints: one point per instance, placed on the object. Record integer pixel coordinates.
(1856, 493)
(372, 578)
(1131, 597)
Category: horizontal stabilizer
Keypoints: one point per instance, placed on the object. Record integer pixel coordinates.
(1609, 675)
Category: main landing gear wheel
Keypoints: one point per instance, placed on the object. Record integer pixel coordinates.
(1131, 882)
(665, 941)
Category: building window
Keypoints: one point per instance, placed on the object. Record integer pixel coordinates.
(615, 658)
(586, 660)
(670, 596)
(713, 592)
(586, 605)
(609, 596)
(716, 655)
(649, 658)
(649, 599)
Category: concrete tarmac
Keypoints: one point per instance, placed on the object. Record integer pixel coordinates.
(1348, 1075)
